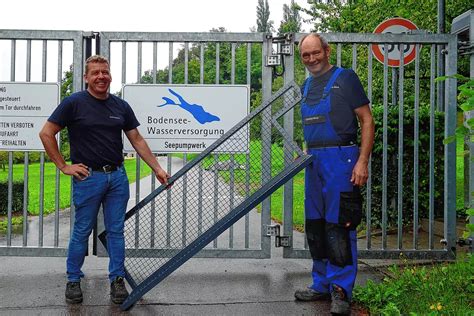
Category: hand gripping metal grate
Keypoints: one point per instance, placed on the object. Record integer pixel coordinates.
(250, 155)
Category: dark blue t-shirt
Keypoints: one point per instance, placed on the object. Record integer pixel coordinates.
(347, 94)
(95, 127)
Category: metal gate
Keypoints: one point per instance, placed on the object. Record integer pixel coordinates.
(402, 93)
(135, 58)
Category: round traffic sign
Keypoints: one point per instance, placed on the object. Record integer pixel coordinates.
(395, 26)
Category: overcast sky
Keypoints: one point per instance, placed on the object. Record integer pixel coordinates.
(121, 15)
(135, 15)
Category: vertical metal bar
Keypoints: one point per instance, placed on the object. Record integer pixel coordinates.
(28, 60)
(247, 155)
(124, 62)
(470, 157)
(266, 144)
(200, 208)
(354, 57)
(232, 174)
(185, 204)
(13, 60)
(139, 62)
(45, 58)
(25, 200)
(232, 69)
(432, 146)
(152, 208)
(138, 159)
(394, 86)
(41, 201)
(450, 149)
(155, 62)
(168, 207)
(400, 149)
(247, 194)
(385, 148)
(170, 62)
(137, 199)
(57, 193)
(339, 52)
(10, 198)
(169, 157)
(416, 147)
(217, 62)
(288, 187)
(369, 180)
(201, 63)
(231, 198)
(186, 62)
(216, 194)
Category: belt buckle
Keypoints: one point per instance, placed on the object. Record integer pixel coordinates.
(107, 168)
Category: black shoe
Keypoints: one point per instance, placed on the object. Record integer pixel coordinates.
(73, 293)
(309, 294)
(118, 292)
(340, 304)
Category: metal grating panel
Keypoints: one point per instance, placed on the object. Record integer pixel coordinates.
(197, 219)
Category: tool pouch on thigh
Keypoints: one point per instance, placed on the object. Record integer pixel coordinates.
(350, 208)
(315, 233)
(338, 245)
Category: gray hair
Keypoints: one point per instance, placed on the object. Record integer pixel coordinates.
(324, 42)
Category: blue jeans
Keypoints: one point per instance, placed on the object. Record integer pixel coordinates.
(111, 190)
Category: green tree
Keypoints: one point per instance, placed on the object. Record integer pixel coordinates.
(264, 25)
(291, 22)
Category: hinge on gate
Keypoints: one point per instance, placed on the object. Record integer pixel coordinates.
(280, 241)
(461, 242)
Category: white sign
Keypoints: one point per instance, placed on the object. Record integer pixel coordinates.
(185, 118)
(24, 108)
(395, 26)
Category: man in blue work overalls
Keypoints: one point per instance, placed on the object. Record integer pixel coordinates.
(333, 101)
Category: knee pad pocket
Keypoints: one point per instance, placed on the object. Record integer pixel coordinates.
(315, 230)
(350, 208)
(338, 245)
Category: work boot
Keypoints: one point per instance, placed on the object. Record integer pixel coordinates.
(340, 304)
(118, 292)
(73, 293)
(309, 294)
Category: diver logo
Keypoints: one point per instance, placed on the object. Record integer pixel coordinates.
(196, 110)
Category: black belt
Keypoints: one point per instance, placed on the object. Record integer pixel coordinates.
(335, 143)
(106, 168)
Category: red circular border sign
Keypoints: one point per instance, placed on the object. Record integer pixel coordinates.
(377, 49)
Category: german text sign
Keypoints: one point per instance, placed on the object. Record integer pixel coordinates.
(24, 108)
(187, 118)
(395, 26)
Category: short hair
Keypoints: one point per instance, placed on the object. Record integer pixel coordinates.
(95, 59)
(324, 42)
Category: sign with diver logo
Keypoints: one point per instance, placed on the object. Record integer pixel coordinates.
(188, 118)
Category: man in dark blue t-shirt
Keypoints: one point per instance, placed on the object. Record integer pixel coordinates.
(95, 120)
(333, 102)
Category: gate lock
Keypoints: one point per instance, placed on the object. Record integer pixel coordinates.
(280, 241)
(284, 47)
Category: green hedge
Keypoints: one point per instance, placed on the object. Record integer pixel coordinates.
(17, 197)
(408, 164)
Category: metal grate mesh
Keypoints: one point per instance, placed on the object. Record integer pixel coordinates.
(204, 193)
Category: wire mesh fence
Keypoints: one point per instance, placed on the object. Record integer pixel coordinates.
(209, 194)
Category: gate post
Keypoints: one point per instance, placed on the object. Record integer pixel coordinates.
(450, 149)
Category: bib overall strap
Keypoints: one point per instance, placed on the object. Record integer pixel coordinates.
(306, 86)
(331, 81)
